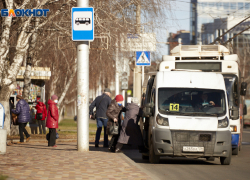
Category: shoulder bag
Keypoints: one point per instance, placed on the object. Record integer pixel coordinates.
(39, 116)
(114, 129)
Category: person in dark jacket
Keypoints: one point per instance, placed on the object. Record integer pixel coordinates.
(52, 120)
(114, 113)
(23, 112)
(101, 103)
(41, 114)
(130, 131)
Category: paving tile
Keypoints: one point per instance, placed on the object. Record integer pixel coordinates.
(38, 161)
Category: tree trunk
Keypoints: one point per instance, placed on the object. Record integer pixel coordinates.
(67, 86)
(4, 45)
(61, 116)
(29, 62)
(27, 82)
(60, 104)
(5, 93)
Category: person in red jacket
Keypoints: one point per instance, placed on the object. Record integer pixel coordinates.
(52, 120)
(41, 115)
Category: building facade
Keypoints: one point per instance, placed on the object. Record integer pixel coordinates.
(207, 16)
(173, 39)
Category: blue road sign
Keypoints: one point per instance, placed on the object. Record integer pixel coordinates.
(82, 24)
(143, 58)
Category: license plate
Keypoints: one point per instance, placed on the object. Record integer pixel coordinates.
(193, 149)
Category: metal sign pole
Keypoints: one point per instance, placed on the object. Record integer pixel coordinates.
(83, 90)
(142, 76)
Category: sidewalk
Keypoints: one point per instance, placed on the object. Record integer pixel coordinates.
(38, 161)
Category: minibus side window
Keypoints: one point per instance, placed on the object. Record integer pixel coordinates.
(149, 89)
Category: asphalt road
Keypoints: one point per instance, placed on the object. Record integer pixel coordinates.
(185, 168)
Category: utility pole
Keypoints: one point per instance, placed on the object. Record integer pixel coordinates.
(83, 90)
(137, 82)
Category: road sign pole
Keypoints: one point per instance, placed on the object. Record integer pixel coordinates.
(142, 75)
(83, 90)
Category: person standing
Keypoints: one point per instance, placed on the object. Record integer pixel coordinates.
(130, 131)
(101, 103)
(52, 120)
(23, 112)
(114, 113)
(41, 114)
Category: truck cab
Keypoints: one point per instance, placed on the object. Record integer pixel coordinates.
(186, 115)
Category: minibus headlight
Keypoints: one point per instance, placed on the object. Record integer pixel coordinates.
(223, 123)
(161, 120)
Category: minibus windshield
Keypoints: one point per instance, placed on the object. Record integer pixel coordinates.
(191, 102)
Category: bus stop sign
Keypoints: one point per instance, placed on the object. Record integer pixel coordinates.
(82, 24)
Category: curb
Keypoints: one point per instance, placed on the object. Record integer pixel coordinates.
(130, 161)
(13, 141)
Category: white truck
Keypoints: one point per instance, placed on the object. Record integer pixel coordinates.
(187, 115)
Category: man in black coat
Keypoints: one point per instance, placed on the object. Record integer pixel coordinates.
(101, 103)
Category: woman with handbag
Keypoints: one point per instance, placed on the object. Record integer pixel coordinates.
(114, 122)
(52, 120)
(41, 115)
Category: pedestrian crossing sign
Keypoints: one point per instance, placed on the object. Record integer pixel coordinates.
(143, 58)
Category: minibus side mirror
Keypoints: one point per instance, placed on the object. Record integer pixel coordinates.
(234, 113)
(147, 110)
(243, 89)
(245, 110)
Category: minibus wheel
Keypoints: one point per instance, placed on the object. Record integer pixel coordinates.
(226, 160)
(152, 157)
(77, 23)
(87, 23)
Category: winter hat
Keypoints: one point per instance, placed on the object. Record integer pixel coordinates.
(54, 97)
(107, 90)
(119, 97)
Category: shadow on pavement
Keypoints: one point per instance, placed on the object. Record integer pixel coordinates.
(134, 155)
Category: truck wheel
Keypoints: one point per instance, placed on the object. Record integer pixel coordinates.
(152, 157)
(235, 151)
(226, 160)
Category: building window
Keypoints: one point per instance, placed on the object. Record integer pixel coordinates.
(247, 6)
(219, 5)
(240, 6)
(226, 5)
(233, 5)
(211, 5)
(204, 5)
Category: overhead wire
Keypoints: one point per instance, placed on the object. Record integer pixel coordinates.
(230, 20)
